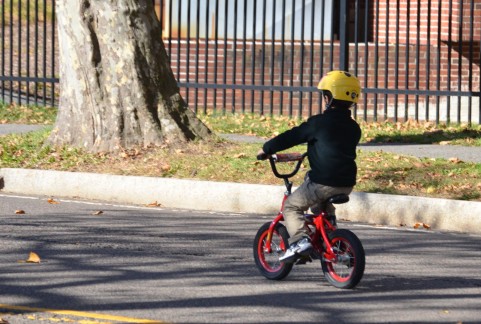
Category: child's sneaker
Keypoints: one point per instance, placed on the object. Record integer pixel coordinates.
(301, 247)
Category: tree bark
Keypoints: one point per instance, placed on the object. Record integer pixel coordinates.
(117, 87)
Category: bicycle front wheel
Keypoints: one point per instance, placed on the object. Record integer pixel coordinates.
(268, 262)
(348, 268)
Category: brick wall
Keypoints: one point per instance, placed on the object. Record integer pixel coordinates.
(434, 21)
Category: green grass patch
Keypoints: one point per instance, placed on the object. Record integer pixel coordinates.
(248, 124)
(31, 152)
(22, 114)
(20, 10)
(221, 160)
(381, 172)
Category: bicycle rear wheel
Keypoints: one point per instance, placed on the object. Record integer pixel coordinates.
(348, 269)
(268, 262)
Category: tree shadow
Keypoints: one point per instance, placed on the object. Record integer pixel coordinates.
(427, 137)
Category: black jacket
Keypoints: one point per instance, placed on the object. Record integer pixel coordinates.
(331, 139)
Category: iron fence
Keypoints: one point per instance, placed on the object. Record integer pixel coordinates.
(28, 52)
(415, 59)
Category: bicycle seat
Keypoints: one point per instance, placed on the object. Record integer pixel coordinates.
(338, 199)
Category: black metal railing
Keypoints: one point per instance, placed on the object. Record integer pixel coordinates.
(416, 59)
(28, 52)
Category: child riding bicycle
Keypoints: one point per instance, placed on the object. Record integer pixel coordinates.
(331, 139)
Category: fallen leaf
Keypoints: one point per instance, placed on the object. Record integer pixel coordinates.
(419, 225)
(154, 204)
(98, 212)
(33, 258)
(52, 201)
(455, 160)
(20, 211)
(430, 190)
(165, 167)
(240, 155)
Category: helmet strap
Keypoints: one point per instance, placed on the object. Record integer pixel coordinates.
(329, 103)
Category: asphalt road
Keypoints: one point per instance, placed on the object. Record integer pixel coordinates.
(135, 262)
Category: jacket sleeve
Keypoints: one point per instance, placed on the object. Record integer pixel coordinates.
(288, 139)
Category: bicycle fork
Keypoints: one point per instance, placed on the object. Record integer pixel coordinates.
(268, 246)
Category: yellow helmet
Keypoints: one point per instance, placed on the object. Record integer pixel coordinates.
(340, 86)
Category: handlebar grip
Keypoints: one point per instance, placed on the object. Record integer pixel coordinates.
(288, 157)
(262, 156)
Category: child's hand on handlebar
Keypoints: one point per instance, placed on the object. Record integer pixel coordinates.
(261, 155)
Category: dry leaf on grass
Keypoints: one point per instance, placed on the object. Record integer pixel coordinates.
(455, 160)
(165, 167)
(240, 155)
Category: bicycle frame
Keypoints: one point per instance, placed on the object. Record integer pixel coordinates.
(319, 221)
(322, 226)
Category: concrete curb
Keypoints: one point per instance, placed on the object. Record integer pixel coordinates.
(440, 214)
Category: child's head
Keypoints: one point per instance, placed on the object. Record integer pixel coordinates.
(340, 89)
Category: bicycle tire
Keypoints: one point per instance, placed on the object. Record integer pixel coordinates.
(347, 272)
(268, 263)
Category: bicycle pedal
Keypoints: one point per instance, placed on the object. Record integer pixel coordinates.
(303, 260)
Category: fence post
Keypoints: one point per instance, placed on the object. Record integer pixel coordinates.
(344, 35)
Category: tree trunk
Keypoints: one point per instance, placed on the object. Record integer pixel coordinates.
(117, 87)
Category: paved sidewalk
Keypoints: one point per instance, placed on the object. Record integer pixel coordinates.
(464, 153)
(18, 128)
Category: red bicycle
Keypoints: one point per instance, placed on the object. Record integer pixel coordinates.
(340, 251)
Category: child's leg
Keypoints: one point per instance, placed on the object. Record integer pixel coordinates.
(295, 206)
(307, 195)
(324, 193)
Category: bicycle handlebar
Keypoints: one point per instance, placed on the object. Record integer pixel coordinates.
(284, 157)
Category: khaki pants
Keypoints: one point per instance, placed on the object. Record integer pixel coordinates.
(312, 195)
